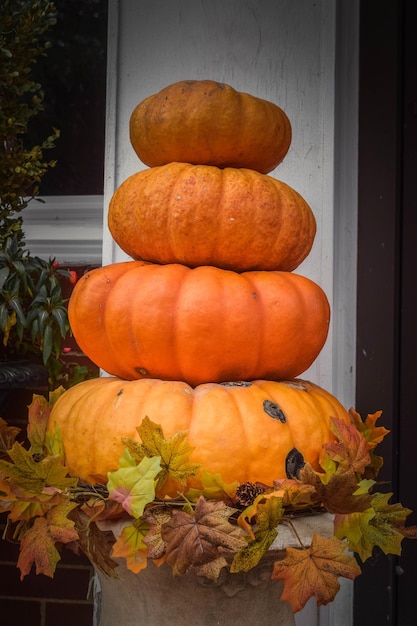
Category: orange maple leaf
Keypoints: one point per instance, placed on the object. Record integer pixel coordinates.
(38, 544)
(314, 571)
(351, 450)
(338, 494)
(38, 414)
(373, 434)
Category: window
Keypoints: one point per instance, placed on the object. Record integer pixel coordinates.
(73, 76)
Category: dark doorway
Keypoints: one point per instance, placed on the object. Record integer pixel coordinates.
(387, 295)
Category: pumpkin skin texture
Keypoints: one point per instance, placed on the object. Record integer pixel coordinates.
(243, 431)
(235, 219)
(198, 325)
(205, 122)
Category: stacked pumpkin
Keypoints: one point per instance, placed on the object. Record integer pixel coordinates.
(207, 328)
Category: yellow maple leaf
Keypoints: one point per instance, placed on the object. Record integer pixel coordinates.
(213, 487)
(314, 571)
(129, 545)
(174, 452)
(373, 527)
(297, 495)
(36, 476)
(155, 517)
(269, 514)
(244, 519)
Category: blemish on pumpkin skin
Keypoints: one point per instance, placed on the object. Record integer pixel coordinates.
(119, 393)
(294, 463)
(236, 383)
(273, 410)
(142, 371)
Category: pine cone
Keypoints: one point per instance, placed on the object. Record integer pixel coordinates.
(247, 492)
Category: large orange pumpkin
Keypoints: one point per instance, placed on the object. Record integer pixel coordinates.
(198, 325)
(257, 431)
(202, 121)
(236, 219)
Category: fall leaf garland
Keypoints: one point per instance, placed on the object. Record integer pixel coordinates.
(211, 525)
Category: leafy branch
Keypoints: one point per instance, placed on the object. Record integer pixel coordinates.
(33, 314)
(210, 525)
(23, 30)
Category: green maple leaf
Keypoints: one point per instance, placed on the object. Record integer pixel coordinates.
(134, 485)
(373, 527)
(394, 514)
(174, 452)
(38, 545)
(53, 443)
(268, 517)
(35, 476)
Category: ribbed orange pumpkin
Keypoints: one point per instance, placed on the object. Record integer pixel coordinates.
(235, 219)
(198, 325)
(202, 121)
(257, 431)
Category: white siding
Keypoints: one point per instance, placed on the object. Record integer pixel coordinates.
(286, 51)
(68, 228)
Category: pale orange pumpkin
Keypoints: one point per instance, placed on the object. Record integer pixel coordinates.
(205, 122)
(258, 431)
(235, 219)
(198, 325)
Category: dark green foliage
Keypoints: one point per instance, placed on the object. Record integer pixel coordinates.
(23, 27)
(33, 316)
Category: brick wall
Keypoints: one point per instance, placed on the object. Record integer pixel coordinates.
(42, 601)
(39, 600)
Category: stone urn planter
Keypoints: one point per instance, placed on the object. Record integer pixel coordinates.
(156, 598)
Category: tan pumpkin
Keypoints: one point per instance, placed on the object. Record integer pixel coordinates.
(259, 431)
(205, 122)
(199, 325)
(235, 219)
